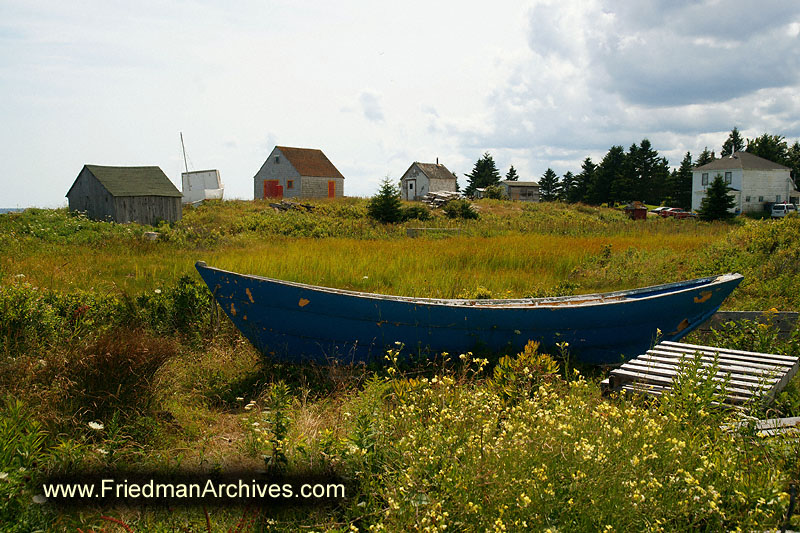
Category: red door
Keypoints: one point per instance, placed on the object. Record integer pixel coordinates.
(331, 189)
(272, 189)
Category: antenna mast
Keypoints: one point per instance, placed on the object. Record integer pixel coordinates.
(184, 153)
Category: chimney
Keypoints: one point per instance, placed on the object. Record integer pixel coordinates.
(437, 160)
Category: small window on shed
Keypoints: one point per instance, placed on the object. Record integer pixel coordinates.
(705, 178)
(778, 198)
(760, 198)
(728, 177)
(290, 184)
(277, 159)
(746, 198)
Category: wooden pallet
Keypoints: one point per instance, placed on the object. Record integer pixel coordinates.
(751, 376)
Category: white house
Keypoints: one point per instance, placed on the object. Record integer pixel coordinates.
(756, 183)
(297, 173)
(422, 178)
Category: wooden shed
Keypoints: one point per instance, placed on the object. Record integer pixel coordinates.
(125, 194)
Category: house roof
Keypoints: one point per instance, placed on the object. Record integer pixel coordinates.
(519, 183)
(310, 162)
(743, 160)
(435, 171)
(133, 181)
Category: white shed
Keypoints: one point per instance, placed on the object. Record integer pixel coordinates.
(200, 185)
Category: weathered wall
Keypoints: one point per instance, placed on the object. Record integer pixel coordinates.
(89, 196)
(147, 209)
(314, 187)
(522, 194)
(280, 170)
(437, 185)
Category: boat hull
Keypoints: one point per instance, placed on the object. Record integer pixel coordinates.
(298, 322)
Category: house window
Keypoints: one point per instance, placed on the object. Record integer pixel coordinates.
(760, 198)
(728, 177)
(290, 184)
(277, 159)
(778, 198)
(705, 178)
(746, 198)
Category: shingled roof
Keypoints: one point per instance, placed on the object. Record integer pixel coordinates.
(435, 171)
(133, 181)
(310, 162)
(743, 160)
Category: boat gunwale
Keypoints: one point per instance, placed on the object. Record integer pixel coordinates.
(573, 301)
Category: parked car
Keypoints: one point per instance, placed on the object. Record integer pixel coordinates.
(659, 210)
(781, 210)
(678, 213)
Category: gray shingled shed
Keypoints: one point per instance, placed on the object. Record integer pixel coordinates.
(125, 194)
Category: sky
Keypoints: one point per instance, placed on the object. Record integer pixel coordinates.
(379, 85)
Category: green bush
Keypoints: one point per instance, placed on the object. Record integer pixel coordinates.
(460, 208)
(416, 212)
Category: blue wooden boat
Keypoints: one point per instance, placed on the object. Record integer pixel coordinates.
(296, 322)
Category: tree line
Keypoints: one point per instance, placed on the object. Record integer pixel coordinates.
(636, 174)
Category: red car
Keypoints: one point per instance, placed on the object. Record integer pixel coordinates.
(677, 212)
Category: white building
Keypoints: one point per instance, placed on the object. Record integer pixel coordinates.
(199, 185)
(756, 183)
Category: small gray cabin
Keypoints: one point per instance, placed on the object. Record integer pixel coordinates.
(125, 194)
(422, 178)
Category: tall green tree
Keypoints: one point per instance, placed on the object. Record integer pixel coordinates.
(717, 202)
(734, 143)
(386, 206)
(548, 186)
(794, 161)
(484, 173)
(568, 183)
(583, 181)
(681, 192)
(608, 171)
(772, 147)
(512, 174)
(705, 157)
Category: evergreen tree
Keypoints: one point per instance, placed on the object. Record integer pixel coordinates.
(483, 174)
(548, 186)
(772, 147)
(735, 143)
(705, 157)
(512, 174)
(682, 191)
(608, 171)
(626, 185)
(717, 202)
(794, 161)
(386, 206)
(568, 184)
(583, 181)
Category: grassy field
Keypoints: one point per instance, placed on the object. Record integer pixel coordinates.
(111, 360)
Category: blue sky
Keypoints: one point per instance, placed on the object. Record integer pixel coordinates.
(378, 85)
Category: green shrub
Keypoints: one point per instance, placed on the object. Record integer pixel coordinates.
(418, 212)
(460, 208)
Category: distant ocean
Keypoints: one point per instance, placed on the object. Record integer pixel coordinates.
(11, 209)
